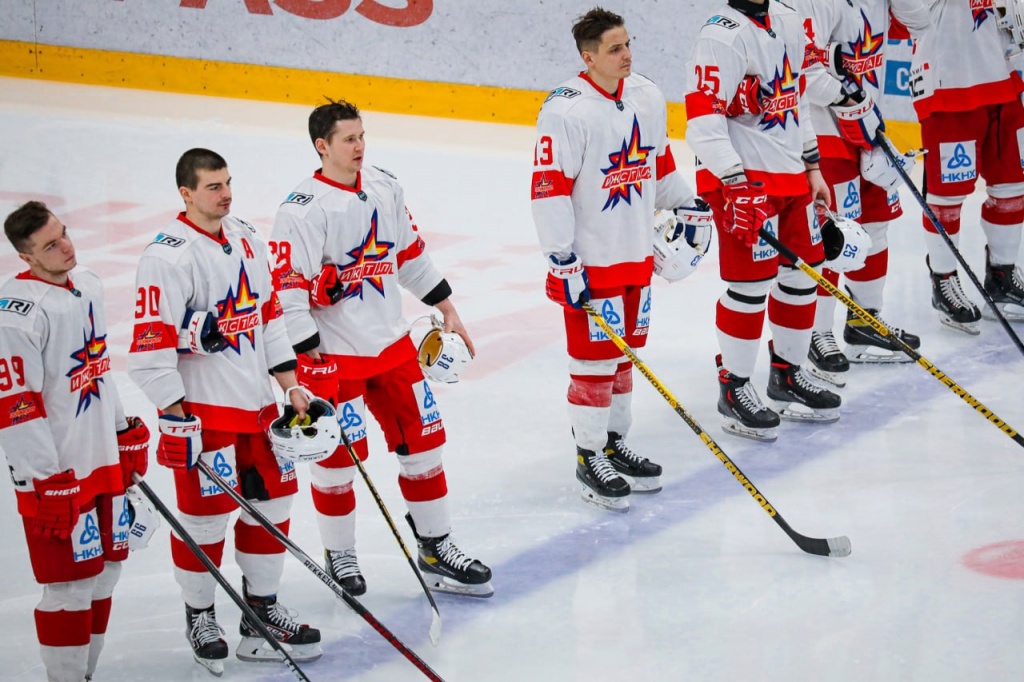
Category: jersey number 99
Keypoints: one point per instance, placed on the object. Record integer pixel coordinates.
(12, 373)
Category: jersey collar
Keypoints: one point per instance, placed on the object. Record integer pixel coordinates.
(317, 174)
(614, 96)
(27, 275)
(220, 238)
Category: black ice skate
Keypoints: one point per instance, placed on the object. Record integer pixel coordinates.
(745, 414)
(206, 638)
(865, 345)
(1005, 285)
(446, 568)
(301, 641)
(343, 568)
(955, 309)
(645, 474)
(797, 397)
(600, 483)
(828, 363)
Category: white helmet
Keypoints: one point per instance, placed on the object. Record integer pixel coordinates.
(443, 355)
(313, 439)
(846, 243)
(142, 518)
(681, 238)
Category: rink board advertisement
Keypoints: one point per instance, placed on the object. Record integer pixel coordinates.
(496, 44)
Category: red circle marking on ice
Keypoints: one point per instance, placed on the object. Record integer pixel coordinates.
(1002, 559)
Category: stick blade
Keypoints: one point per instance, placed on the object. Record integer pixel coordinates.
(831, 547)
(435, 628)
(839, 547)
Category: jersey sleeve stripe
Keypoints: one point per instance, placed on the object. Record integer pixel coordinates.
(20, 408)
(550, 184)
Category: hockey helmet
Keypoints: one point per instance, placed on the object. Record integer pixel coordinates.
(681, 238)
(312, 439)
(443, 355)
(846, 243)
(142, 518)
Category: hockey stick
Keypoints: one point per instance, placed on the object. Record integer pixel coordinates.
(890, 152)
(218, 576)
(835, 547)
(318, 571)
(435, 622)
(939, 375)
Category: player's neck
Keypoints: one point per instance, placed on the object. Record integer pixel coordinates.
(209, 225)
(58, 278)
(609, 85)
(349, 178)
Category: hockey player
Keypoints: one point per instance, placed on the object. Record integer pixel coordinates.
(849, 36)
(968, 99)
(208, 331)
(602, 165)
(759, 170)
(70, 448)
(346, 246)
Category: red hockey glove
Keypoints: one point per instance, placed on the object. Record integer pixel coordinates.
(567, 282)
(133, 448)
(320, 376)
(745, 210)
(326, 289)
(859, 120)
(747, 99)
(57, 508)
(181, 441)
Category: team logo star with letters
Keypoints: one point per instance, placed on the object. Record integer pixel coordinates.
(238, 314)
(781, 102)
(92, 363)
(866, 59)
(369, 264)
(628, 169)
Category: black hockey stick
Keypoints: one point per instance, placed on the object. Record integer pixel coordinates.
(890, 153)
(939, 375)
(319, 572)
(219, 577)
(835, 547)
(435, 621)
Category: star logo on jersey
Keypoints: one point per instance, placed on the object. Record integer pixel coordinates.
(980, 11)
(147, 338)
(865, 56)
(238, 314)
(369, 264)
(542, 187)
(26, 409)
(628, 169)
(780, 96)
(91, 364)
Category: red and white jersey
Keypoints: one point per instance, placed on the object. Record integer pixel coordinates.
(367, 232)
(59, 407)
(961, 65)
(601, 167)
(860, 27)
(185, 268)
(766, 146)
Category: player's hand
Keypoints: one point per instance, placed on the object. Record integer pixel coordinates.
(181, 441)
(57, 505)
(133, 450)
(319, 376)
(747, 99)
(326, 289)
(746, 209)
(567, 281)
(859, 119)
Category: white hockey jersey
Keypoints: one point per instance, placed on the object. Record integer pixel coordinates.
(962, 65)
(767, 146)
(367, 232)
(59, 407)
(185, 268)
(601, 167)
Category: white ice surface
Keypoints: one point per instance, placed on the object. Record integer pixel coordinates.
(695, 583)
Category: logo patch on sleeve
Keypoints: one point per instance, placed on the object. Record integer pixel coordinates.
(168, 240)
(724, 22)
(567, 93)
(299, 198)
(15, 305)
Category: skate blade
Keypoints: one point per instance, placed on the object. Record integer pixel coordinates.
(257, 650)
(873, 355)
(644, 485)
(837, 379)
(1011, 311)
(215, 666)
(615, 504)
(439, 583)
(796, 412)
(735, 428)
(968, 327)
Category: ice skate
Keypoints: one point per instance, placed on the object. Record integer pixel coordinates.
(865, 345)
(955, 309)
(301, 641)
(205, 636)
(600, 483)
(828, 363)
(1005, 284)
(797, 397)
(343, 568)
(745, 414)
(446, 568)
(644, 475)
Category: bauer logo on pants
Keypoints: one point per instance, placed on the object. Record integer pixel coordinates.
(222, 461)
(613, 312)
(85, 539)
(762, 250)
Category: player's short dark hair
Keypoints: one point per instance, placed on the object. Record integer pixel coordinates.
(194, 160)
(323, 118)
(589, 28)
(24, 222)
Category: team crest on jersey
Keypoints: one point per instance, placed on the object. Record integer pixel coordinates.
(628, 169)
(865, 56)
(781, 95)
(238, 313)
(980, 11)
(25, 407)
(542, 187)
(92, 363)
(148, 337)
(567, 93)
(369, 264)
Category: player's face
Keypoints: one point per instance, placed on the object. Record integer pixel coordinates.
(613, 59)
(51, 255)
(343, 153)
(211, 199)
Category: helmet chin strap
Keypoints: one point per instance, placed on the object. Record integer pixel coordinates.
(751, 9)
